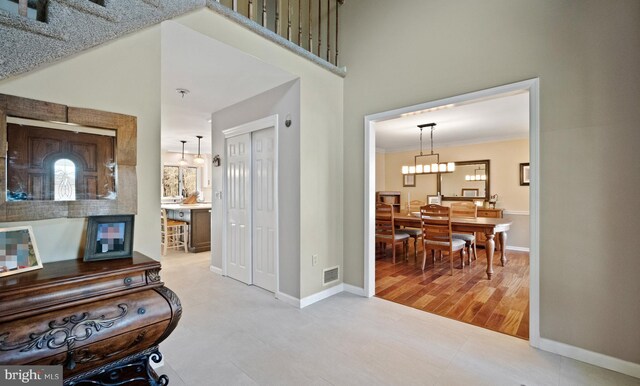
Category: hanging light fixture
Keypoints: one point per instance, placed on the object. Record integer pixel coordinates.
(479, 174)
(183, 162)
(199, 159)
(432, 168)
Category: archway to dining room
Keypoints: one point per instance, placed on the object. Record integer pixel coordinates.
(484, 146)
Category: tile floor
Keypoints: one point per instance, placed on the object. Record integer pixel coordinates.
(233, 334)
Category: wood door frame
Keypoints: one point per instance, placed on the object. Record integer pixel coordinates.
(533, 87)
(245, 128)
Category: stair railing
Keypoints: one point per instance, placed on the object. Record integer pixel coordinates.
(311, 24)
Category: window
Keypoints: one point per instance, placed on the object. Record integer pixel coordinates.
(65, 180)
(179, 181)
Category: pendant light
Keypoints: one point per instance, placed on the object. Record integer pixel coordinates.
(432, 168)
(199, 159)
(183, 162)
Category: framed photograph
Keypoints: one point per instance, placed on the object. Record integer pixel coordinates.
(470, 192)
(18, 251)
(408, 180)
(524, 174)
(109, 237)
(436, 200)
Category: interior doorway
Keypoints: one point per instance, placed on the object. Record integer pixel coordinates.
(530, 86)
(250, 208)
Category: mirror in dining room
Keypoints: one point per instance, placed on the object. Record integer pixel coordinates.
(469, 182)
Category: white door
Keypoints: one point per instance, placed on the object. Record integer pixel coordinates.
(264, 215)
(239, 207)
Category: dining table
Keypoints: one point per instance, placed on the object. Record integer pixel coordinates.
(489, 226)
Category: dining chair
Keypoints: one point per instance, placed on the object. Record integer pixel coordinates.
(174, 233)
(414, 233)
(466, 209)
(385, 229)
(437, 235)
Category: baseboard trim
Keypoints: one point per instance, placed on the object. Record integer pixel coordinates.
(309, 300)
(521, 249)
(353, 289)
(215, 270)
(594, 358)
(291, 300)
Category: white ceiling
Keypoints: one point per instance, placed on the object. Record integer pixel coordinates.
(217, 76)
(494, 119)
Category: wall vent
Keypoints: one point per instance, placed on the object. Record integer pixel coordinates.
(330, 275)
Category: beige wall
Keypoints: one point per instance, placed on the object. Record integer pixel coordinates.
(380, 171)
(505, 157)
(321, 104)
(123, 77)
(284, 101)
(585, 54)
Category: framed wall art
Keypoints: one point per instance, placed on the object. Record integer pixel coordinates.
(408, 180)
(524, 174)
(109, 237)
(18, 251)
(436, 200)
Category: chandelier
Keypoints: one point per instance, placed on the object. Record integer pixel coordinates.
(199, 159)
(183, 162)
(428, 168)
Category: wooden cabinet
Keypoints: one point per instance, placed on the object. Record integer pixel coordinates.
(199, 220)
(491, 213)
(97, 319)
(200, 230)
(389, 197)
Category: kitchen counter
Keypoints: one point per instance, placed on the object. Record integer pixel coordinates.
(202, 205)
(199, 218)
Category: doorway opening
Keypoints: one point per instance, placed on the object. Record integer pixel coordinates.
(468, 294)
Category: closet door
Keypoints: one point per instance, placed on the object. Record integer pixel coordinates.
(264, 213)
(239, 208)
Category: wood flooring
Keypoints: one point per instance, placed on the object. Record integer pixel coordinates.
(500, 304)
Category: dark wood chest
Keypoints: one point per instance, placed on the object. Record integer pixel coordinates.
(102, 321)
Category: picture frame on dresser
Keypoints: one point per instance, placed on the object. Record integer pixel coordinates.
(18, 251)
(470, 192)
(109, 237)
(434, 199)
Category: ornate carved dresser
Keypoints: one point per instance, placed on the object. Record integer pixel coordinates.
(102, 321)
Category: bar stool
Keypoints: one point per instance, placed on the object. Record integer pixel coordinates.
(174, 233)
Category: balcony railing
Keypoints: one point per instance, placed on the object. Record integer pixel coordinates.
(311, 24)
(30, 9)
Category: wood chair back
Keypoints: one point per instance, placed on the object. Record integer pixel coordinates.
(436, 233)
(415, 205)
(385, 229)
(464, 209)
(436, 224)
(384, 221)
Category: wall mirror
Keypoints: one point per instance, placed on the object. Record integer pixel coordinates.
(469, 182)
(59, 162)
(63, 161)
